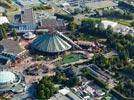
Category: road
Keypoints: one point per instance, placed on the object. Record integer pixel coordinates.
(55, 8)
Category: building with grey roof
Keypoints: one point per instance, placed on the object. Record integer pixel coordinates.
(11, 46)
(65, 94)
(101, 4)
(77, 2)
(27, 16)
(57, 24)
(24, 27)
(7, 59)
(93, 4)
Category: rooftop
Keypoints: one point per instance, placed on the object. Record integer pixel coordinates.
(5, 57)
(65, 94)
(6, 76)
(29, 35)
(3, 20)
(50, 42)
(52, 23)
(101, 4)
(11, 46)
(24, 27)
(27, 16)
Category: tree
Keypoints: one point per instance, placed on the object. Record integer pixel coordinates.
(101, 26)
(132, 23)
(129, 37)
(101, 61)
(119, 46)
(131, 51)
(65, 17)
(72, 26)
(123, 55)
(88, 25)
(3, 33)
(72, 81)
(45, 89)
(108, 31)
(14, 34)
(59, 78)
(77, 11)
(87, 10)
(126, 5)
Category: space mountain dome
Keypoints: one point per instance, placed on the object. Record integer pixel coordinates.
(9, 80)
(50, 43)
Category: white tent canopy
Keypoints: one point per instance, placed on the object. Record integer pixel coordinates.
(109, 23)
(3, 20)
(29, 35)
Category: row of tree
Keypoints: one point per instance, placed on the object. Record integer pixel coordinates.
(126, 5)
(85, 10)
(114, 14)
(65, 17)
(4, 29)
(46, 88)
(61, 78)
(124, 45)
(126, 87)
(94, 27)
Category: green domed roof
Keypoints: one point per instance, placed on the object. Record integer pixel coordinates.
(51, 43)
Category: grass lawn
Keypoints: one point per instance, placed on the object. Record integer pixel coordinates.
(126, 23)
(70, 58)
(120, 21)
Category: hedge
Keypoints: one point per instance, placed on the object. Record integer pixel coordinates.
(65, 17)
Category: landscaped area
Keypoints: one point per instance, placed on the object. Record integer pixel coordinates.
(70, 58)
(85, 37)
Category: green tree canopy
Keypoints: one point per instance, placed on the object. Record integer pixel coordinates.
(72, 26)
(14, 34)
(45, 89)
